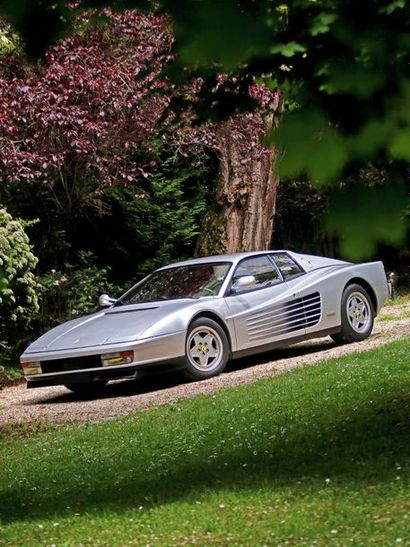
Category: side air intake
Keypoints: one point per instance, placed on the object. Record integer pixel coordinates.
(299, 314)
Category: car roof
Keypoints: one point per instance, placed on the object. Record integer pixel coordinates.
(233, 257)
(305, 261)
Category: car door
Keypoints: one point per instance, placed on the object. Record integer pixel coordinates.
(265, 312)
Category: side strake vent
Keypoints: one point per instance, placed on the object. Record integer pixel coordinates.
(298, 314)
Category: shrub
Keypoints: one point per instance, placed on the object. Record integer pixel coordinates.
(18, 299)
(74, 292)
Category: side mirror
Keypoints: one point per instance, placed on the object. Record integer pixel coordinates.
(244, 282)
(105, 301)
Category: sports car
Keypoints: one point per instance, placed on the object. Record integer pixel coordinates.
(198, 314)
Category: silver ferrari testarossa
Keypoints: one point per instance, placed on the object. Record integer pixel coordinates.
(198, 314)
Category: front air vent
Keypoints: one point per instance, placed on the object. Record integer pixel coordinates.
(296, 315)
(74, 363)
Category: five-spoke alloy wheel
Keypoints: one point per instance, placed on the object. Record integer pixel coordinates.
(357, 315)
(206, 350)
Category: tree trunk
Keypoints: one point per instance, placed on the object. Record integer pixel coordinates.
(242, 219)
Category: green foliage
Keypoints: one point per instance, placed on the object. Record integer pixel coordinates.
(18, 299)
(305, 204)
(402, 300)
(317, 456)
(321, 23)
(392, 6)
(178, 202)
(6, 357)
(156, 221)
(344, 77)
(317, 212)
(74, 292)
(132, 229)
(320, 141)
(368, 215)
(10, 372)
(8, 41)
(342, 63)
(106, 245)
(343, 68)
(203, 35)
(289, 49)
(400, 146)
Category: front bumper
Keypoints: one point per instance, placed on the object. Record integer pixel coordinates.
(104, 374)
(159, 353)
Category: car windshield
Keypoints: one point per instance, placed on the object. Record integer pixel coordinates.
(191, 281)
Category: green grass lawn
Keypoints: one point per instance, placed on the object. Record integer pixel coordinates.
(317, 456)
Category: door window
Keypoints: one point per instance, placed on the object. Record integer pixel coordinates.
(261, 268)
(287, 265)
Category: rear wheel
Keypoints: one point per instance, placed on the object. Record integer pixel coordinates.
(206, 349)
(91, 389)
(357, 315)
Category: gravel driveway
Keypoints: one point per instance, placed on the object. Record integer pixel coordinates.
(57, 404)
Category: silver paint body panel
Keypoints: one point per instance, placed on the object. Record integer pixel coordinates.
(305, 305)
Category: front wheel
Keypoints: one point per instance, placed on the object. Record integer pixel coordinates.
(206, 349)
(357, 315)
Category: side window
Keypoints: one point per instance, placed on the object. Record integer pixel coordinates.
(287, 265)
(261, 268)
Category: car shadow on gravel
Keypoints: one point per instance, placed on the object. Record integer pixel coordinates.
(154, 382)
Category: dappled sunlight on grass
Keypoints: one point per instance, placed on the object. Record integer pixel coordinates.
(309, 441)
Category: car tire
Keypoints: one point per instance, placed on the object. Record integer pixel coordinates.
(207, 349)
(87, 389)
(357, 315)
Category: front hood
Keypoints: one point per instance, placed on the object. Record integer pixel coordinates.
(115, 325)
